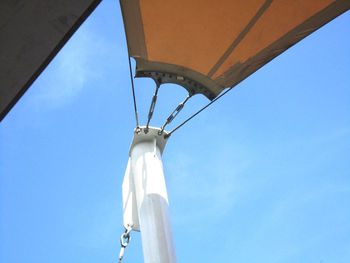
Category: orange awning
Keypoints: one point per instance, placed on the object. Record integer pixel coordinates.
(209, 45)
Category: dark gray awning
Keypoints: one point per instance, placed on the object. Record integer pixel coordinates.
(31, 34)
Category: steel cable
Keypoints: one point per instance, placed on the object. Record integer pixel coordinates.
(206, 106)
(133, 93)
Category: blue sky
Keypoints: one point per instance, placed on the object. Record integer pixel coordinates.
(261, 176)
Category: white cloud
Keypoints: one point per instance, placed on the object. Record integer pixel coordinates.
(73, 68)
(202, 188)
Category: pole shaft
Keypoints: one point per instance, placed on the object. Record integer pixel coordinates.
(152, 203)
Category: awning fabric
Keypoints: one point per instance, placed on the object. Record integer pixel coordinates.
(209, 45)
(31, 34)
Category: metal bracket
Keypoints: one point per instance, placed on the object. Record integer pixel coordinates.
(143, 134)
(192, 86)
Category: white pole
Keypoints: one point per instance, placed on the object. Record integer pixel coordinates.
(151, 197)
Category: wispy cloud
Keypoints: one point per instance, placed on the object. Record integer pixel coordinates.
(73, 68)
(202, 189)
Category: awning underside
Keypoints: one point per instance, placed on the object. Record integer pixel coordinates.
(207, 46)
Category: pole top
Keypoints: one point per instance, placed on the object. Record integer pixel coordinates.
(144, 134)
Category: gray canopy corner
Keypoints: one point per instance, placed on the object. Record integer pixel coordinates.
(31, 34)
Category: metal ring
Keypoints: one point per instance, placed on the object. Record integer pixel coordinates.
(124, 239)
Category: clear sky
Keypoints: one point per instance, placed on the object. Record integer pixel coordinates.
(262, 176)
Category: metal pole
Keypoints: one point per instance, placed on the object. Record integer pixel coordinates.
(149, 189)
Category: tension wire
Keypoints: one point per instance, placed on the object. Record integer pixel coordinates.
(133, 93)
(153, 105)
(174, 113)
(206, 106)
